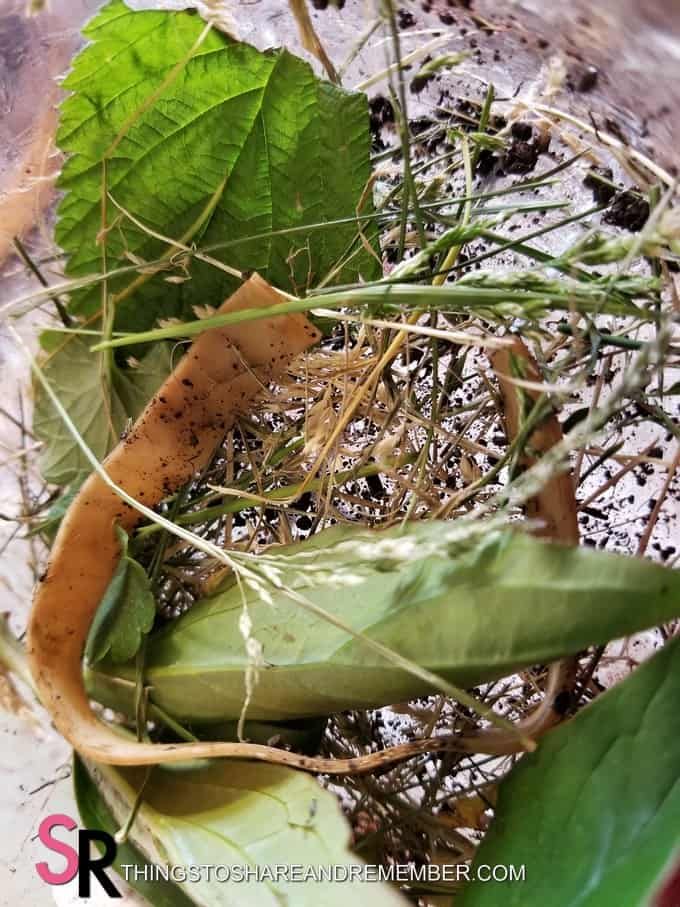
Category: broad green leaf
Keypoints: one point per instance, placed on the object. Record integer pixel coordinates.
(99, 406)
(94, 813)
(222, 145)
(125, 614)
(472, 610)
(594, 814)
(244, 815)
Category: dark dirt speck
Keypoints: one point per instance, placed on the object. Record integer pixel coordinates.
(521, 157)
(602, 192)
(522, 130)
(629, 210)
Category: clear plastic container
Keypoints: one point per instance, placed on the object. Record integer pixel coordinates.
(614, 65)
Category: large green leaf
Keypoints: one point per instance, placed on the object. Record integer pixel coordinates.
(594, 814)
(242, 815)
(217, 146)
(99, 399)
(95, 814)
(470, 610)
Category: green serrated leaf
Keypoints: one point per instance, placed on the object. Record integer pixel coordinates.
(471, 613)
(95, 814)
(244, 815)
(125, 614)
(235, 143)
(594, 814)
(238, 144)
(100, 411)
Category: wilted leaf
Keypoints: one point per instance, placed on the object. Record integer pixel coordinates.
(470, 611)
(244, 815)
(125, 614)
(594, 814)
(235, 144)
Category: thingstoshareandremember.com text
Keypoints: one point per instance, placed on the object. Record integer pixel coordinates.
(403, 874)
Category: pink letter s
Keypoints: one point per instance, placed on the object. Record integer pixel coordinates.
(44, 833)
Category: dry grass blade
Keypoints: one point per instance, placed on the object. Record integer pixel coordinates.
(555, 504)
(310, 39)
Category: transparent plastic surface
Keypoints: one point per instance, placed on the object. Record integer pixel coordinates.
(616, 65)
